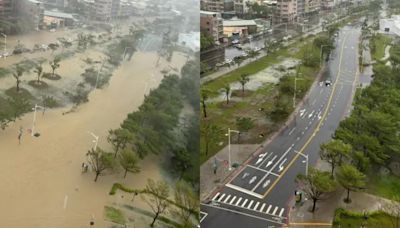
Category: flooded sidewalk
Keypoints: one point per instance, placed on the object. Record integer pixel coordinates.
(42, 184)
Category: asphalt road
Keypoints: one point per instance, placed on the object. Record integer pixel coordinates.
(260, 193)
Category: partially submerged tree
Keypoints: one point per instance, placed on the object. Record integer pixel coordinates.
(55, 64)
(119, 139)
(244, 79)
(129, 161)
(185, 197)
(227, 91)
(39, 71)
(19, 71)
(157, 198)
(316, 184)
(100, 161)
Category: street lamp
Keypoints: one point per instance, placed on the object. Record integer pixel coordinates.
(306, 161)
(96, 139)
(34, 117)
(5, 43)
(229, 146)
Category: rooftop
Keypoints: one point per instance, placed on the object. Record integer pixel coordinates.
(58, 14)
(238, 23)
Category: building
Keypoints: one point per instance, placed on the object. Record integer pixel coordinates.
(286, 11)
(241, 6)
(105, 10)
(228, 6)
(31, 11)
(57, 19)
(212, 5)
(311, 7)
(328, 4)
(211, 24)
(390, 26)
(126, 9)
(240, 28)
(7, 9)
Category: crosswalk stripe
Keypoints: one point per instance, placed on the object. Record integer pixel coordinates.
(244, 202)
(269, 208)
(276, 208)
(251, 203)
(227, 198)
(255, 207)
(262, 207)
(233, 199)
(281, 213)
(216, 195)
(237, 203)
(220, 198)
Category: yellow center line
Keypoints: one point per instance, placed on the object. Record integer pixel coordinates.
(318, 126)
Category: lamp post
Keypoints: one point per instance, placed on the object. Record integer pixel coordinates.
(306, 157)
(5, 42)
(34, 117)
(229, 146)
(95, 141)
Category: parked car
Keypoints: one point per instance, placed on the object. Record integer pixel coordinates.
(235, 42)
(328, 83)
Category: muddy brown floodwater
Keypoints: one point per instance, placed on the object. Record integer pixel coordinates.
(41, 181)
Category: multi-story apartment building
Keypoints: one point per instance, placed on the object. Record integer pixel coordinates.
(311, 7)
(31, 11)
(7, 9)
(241, 6)
(286, 11)
(211, 24)
(212, 5)
(105, 10)
(328, 4)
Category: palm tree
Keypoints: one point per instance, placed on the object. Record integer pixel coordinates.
(55, 64)
(18, 74)
(244, 79)
(38, 70)
(227, 90)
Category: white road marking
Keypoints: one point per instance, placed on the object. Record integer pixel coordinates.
(250, 204)
(269, 208)
(240, 199)
(281, 165)
(306, 128)
(266, 183)
(281, 213)
(227, 198)
(244, 214)
(244, 203)
(262, 207)
(205, 215)
(233, 199)
(291, 131)
(266, 159)
(263, 170)
(298, 138)
(272, 161)
(65, 201)
(216, 195)
(276, 208)
(255, 207)
(220, 198)
(237, 188)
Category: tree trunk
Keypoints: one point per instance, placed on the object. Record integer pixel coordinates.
(332, 170)
(97, 175)
(126, 171)
(204, 109)
(242, 90)
(154, 219)
(17, 85)
(314, 204)
(116, 152)
(348, 195)
(227, 99)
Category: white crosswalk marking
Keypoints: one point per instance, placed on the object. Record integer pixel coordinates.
(237, 203)
(233, 199)
(262, 207)
(244, 203)
(281, 213)
(269, 208)
(276, 208)
(227, 198)
(220, 198)
(216, 195)
(255, 207)
(251, 203)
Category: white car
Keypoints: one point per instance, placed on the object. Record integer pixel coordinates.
(235, 42)
(257, 49)
(244, 54)
(228, 61)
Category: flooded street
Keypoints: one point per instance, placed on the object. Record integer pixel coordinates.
(42, 184)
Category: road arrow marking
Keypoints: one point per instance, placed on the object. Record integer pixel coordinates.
(266, 183)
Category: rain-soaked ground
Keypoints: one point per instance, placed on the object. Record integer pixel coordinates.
(42, 184)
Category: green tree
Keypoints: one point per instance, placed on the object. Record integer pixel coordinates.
(333, 152)
(129, 161)
(181, 161)
(210, 133)
(204, 98)
(244, 124)
(55, 64)
(244, 79)
(227, 90)
(351, 179)
(100, 161)
(316, 184)
(119, 139)
(158, 197)
(39, 71)
(185, 197)
(19, 71)
(19, 105)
